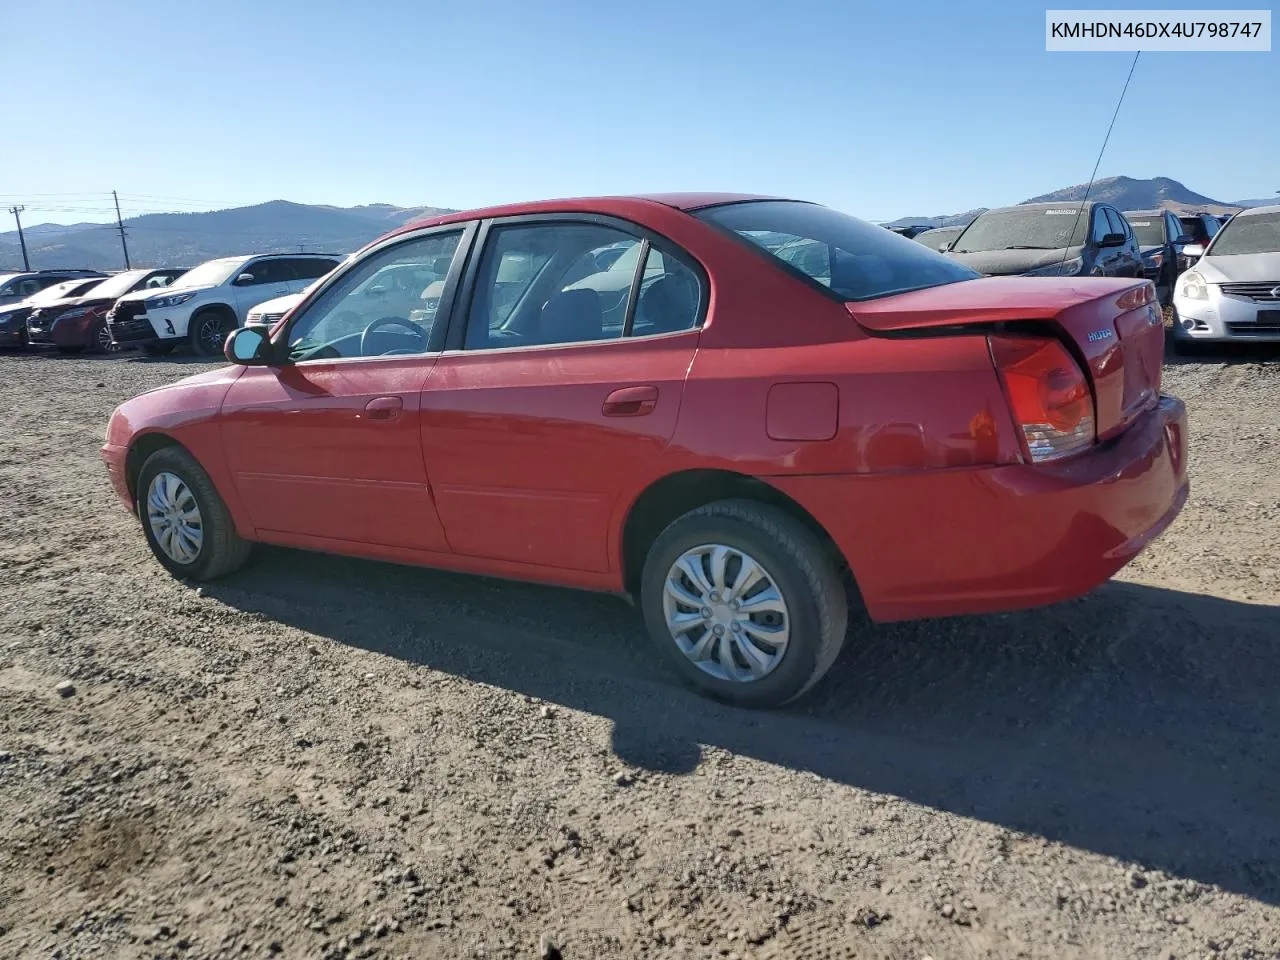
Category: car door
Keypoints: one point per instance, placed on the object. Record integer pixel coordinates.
(258, 281)
(326, 447)
(561, 386)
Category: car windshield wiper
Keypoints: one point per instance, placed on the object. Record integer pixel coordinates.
(1029, 246)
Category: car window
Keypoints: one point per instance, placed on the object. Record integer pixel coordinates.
(308, 268)
(1195, 229)
(851, 258)
(385, 305)
(1172, 227)
(32, 285)
(1149, 230)
(670, 296)
(1115, 223)
(1100, 226)
(264, 271)
(1211, 226)
(551, 283)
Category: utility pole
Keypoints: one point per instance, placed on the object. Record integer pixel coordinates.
(120, 226)
(16, 210)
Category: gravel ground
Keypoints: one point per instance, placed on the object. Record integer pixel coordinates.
(323, 757)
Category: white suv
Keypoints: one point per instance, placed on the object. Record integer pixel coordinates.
(206, 303)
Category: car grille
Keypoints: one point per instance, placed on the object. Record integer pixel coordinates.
(1268, 323)
(125, 321)
(1264, 291)
(268, 318)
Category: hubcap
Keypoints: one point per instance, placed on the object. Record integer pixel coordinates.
(104, 338)
(726, 613)
(174, 517)
(211, 334)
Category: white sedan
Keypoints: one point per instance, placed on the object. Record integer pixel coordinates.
(1233, 292)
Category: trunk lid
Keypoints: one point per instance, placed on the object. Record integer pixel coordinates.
(1108, 324)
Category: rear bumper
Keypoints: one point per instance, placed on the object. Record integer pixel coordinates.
(946, 542)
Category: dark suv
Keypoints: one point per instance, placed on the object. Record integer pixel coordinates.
(76, 322)
(1200, 228)
(16, 287)
(1050, 240)
(1161, 239)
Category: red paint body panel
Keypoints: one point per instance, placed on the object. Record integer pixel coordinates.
(309, 458)
(944, 542)
(525, 462)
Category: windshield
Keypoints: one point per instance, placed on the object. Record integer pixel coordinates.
(855, 260)
(209, 274)
(1258, 233)
(120, 284)
(1029, 228)
(60, 291)
(1148, 230)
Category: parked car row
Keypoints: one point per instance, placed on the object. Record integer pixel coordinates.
(154, 309)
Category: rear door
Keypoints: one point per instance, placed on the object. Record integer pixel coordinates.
(561, 386)
(267, 279)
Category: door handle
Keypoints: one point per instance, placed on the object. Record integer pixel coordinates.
(383, 408)
(630, 401)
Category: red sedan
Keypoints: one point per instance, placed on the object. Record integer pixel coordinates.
(746, 413)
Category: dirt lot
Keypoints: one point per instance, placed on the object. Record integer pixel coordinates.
(323, 757)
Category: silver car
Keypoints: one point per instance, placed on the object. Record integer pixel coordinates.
(1233, 292)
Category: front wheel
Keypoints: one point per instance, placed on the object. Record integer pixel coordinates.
(185, 521)
(744, 602)
(209, 332)
(100, 338)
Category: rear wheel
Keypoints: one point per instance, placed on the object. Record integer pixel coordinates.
(185, 521)
(209, 332)
(744, 602)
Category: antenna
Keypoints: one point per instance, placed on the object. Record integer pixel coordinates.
(1088, 187)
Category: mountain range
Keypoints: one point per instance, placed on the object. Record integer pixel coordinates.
(186, 239)
(1124, 193)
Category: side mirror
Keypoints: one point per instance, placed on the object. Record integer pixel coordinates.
(248, 347)
(244, 279)
(1112, 240)
(1193, 250)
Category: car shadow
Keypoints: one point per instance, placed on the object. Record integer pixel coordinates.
(1137, 722)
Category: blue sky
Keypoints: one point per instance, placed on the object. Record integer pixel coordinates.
(882, 110)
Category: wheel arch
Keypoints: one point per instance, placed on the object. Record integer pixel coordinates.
(676, 494)
(142, 447)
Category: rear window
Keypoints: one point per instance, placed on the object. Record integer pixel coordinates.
(852, 259)
(1148, 230)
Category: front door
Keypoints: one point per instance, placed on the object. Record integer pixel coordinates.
(329, 445)
(563, 389)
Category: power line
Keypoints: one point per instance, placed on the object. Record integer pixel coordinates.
(17, 211)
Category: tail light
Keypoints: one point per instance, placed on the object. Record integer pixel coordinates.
(1048, 395)
(1135, 297)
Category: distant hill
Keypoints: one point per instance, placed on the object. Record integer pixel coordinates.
(941, 220)
(186, 239)
(1259, 202)
(1125, 193)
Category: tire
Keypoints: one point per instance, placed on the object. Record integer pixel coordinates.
(801, 569)
(208, 332)
(220, 550)
(158, 349)
(100, 338)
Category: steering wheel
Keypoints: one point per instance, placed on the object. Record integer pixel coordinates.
(390, 322)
